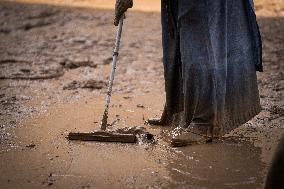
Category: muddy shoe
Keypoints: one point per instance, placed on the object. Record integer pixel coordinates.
(158, 122)
(155, 121)
(163, 121)
(189, 138)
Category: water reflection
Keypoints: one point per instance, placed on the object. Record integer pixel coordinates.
(222, 164)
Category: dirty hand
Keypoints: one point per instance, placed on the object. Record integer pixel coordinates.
(121, 7)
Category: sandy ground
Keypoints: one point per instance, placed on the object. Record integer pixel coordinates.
(54, 63)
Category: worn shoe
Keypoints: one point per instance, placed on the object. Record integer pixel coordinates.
(186, 137)
(157, 122)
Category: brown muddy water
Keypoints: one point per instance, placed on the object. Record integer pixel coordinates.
(44, 158)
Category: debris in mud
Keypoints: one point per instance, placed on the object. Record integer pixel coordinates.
(86, 186)
(127, 97)
(81, 40)
(50, 180)
(107, 61)
(140, 106)
(114, 122)
(5, 30)
(89, 84)
(103, 136)
(123, 135)
(34, 24)
(44, 74)
(12, 60)
(143, 136)
(27, 70)
(42, 13)
(35, 19)
(32, 145)
(73, 64)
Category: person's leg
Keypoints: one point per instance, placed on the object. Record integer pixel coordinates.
(202, 31)
(220, 84)
(199, 67)
(172, 64)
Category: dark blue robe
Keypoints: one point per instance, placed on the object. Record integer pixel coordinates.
(212, 50)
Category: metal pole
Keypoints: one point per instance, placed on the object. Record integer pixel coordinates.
(111, 78)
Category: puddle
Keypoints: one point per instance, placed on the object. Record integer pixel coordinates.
(55, 161)
(222, 164)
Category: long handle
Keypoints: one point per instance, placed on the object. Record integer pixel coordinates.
(111, 78)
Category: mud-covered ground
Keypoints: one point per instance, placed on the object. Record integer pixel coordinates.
(54, 64)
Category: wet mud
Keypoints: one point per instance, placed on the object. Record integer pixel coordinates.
(54, 67)
(42, 145)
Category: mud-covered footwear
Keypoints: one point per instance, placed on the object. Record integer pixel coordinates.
(186, 137)
(156, 121)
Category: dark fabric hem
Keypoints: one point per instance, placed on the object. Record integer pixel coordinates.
(219, 129)
(241, 119)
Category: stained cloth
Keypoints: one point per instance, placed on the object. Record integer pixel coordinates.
(211, 52)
